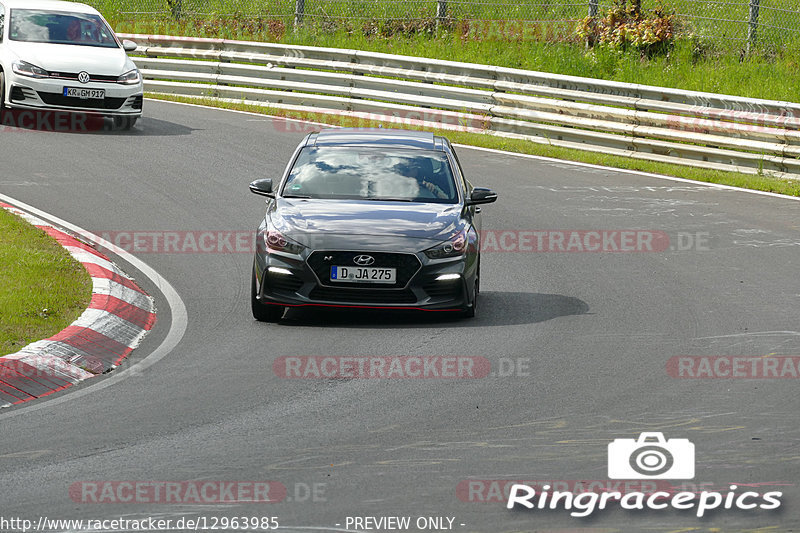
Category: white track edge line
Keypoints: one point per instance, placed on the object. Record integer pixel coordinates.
(176, 331)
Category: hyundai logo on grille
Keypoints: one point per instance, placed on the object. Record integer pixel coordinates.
(363, 260)
(83, 77)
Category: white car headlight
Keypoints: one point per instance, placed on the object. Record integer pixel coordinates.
(132, 77)
(23, 68)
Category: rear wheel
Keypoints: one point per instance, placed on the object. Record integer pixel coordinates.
(261, 312)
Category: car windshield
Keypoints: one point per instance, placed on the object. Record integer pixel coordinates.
(372, 174)
(60, 27)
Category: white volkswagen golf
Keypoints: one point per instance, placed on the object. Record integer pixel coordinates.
(58, 55)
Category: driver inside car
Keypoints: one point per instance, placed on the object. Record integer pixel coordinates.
(426, 178)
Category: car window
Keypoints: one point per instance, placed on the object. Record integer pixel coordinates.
(372, 174)
(58, 27)
(460, 170)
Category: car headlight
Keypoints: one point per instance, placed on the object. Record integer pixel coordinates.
(132, 77)
(453, 247)
(274, 240)
(23, 68)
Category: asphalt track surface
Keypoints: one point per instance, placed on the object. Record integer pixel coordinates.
(594, 332)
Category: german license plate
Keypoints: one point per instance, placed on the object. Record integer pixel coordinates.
(85, 94)
(348, 274)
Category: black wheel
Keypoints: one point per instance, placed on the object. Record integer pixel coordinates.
(472, 310)
(2, 94)
(124, 123)
(261, 312)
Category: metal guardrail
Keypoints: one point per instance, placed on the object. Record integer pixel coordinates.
(667, 125)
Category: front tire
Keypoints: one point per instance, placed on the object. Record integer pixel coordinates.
(472, 310)
(2, 94)
(124, 123)
(261, 312)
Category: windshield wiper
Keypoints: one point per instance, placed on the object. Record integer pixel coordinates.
(390, 199)
(296, 196)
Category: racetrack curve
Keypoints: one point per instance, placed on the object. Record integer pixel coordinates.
(594, 332)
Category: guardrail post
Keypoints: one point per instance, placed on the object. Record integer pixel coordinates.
(441, 11)
(752, 28)
(593, 4)
(299, 11)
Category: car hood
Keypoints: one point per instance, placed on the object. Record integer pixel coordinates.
(390, 224)
(73, 58)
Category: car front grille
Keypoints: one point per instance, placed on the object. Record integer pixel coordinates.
(337, 295)
(406, 264)
(89, 103)
(102, 78)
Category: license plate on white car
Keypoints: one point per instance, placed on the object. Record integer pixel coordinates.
(85, 94)
(363, 274)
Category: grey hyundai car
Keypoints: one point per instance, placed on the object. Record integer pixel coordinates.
(369, 218)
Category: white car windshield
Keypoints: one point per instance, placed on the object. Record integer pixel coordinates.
(59, 27)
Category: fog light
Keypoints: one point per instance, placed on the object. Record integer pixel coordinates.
(446, 277)
(280, 270)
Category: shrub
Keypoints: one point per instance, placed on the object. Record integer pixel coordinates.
(627, 26)
(175, 8)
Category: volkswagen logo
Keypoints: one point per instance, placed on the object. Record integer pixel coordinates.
(363, 260)
(83, 77)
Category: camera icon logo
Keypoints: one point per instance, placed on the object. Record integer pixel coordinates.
(651, 457)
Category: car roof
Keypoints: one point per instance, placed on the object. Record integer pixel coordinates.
(54, 5)
(383, 137)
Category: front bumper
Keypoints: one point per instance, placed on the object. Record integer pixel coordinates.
(297, 281)
(47, 94)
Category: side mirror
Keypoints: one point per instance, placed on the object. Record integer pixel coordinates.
(129, 46)
(262, 187)
(481, 195)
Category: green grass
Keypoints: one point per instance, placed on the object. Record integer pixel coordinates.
(770, 73)
(723, 21)
(749, 181)
(42, 288)
(722, 16)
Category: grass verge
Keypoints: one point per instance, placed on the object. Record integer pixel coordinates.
(748, 181)
(43, 289)
(690, 64)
